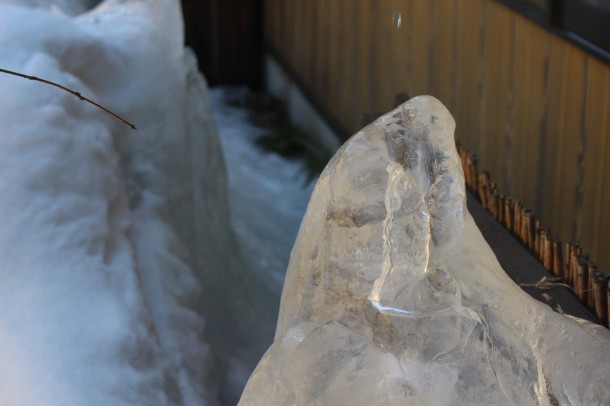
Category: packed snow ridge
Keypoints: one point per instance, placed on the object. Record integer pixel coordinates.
(393, 297)
(115, 244)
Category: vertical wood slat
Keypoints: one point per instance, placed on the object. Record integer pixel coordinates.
(363, 103)
(566, 168)
(555, 96)
(597, 163)
(444, 55)
(496, 93)
(601, 230)
(383, 34)
(420, 46)
(468, 71)
(533, 107)
(399, 51)
(351, 120)
(531, 54)
(342, 54)
(333, 33)
(318, 80)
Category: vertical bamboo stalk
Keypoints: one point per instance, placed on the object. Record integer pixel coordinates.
(508, 213)
(592, 270)
(493, 203)
(557, 258)
(543, 236)
(568, 254)
(521, 232)
(483, 177)
(574, 250)
(608, 301)
(529, 229)
(490, 199)
(483, 194)
(469, 170)
(582, 272)
(547, 249)
(600, 287)
(537, 238)
(517, 217)
(483, 187)
(474, 175)
(500, 209)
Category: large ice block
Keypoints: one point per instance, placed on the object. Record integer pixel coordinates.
(393, 297)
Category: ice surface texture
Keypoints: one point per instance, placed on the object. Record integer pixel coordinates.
(393, 297)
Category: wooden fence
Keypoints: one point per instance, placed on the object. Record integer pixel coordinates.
(534, 108)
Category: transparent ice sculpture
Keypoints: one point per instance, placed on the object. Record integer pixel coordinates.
(393, 297)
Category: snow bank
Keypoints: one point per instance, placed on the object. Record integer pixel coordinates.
(107, 233)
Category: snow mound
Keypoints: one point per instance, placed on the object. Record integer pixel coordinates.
(103, 242)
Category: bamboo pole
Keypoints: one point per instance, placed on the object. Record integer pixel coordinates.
(517, 208)
(500, 209)
(557, 257)
(508, 213)
(543, 236)
(574, 249)
(537, 238)
(525, 229)
(474, 175)
(608, 301)
(522, 232)
(600, 288)
(483, 187)
(582, 273)
(547, 249)
(592, 270)
(483, 194)
(492, 194)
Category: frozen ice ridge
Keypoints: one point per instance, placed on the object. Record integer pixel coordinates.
(393, 297)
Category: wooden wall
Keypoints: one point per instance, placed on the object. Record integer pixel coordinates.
(533, 107)
(226, 35)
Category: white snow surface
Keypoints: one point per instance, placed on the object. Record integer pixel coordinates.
(268, 193)
(103, 239)
(62, 7)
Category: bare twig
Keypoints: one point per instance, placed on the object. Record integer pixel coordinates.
(77, 94)
(547, 283)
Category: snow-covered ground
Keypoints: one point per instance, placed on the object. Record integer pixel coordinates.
(268, 193)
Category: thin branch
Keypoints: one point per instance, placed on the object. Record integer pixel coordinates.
(547, 283)
(77, 94)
